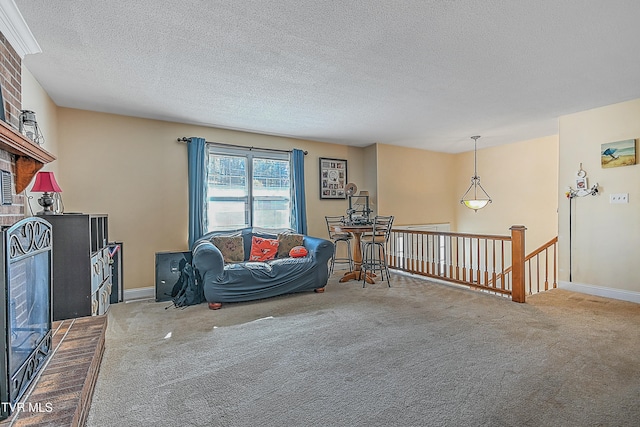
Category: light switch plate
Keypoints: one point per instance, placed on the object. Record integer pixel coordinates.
(619, 198)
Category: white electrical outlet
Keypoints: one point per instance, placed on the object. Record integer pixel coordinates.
(619, 198)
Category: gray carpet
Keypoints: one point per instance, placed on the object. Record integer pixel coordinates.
(416, 354)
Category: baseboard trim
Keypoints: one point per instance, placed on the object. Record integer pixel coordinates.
(139, 293)
(601, 291)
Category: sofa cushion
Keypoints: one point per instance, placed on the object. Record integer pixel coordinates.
(288, 241)
(231, 247)
(249, 233)
(263, 249)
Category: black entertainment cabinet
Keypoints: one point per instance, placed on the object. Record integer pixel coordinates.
(82, 278)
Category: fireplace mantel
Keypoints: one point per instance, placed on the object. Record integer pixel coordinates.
(30, 157)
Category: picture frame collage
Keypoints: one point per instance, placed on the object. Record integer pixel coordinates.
(333, 178)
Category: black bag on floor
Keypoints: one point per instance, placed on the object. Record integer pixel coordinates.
(188, 289)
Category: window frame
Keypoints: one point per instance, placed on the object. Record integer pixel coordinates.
(249, 154)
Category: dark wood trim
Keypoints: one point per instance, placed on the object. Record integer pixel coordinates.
(26, 169)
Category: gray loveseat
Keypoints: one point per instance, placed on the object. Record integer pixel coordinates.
(239, 279)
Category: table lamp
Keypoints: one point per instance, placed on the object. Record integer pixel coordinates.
(46, 183)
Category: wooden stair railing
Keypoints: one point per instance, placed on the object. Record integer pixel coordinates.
(542, 251)
(474, 260)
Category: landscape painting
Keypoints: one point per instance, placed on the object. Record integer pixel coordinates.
(620, 153)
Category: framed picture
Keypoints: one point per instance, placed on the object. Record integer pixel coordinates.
(619, 153)
(333, 178)
(581, 183)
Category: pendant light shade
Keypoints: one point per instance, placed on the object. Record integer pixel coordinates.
(475, 197)
(475, 204)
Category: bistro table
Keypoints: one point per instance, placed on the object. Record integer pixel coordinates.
(356, 274)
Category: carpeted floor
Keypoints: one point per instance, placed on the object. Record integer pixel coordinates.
(416, 354)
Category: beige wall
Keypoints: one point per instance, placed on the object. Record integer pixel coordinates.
(605, 243)
(370, 176)
(415, 185)
(34, 98)
(135, 171)
(521, 179)
(423, 187)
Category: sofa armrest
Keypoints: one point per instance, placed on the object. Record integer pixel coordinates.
(207, 257)
(318, 248)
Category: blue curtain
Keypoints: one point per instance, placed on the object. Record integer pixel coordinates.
(196, 155)
(299, 201)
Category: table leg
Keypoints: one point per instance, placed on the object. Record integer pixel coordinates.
(356, 274)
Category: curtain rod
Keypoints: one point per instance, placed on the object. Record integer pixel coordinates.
(186, 140)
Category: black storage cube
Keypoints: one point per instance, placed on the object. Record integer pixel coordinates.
(168, 266)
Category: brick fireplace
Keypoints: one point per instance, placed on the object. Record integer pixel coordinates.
(61, 391)
(11, 84)
(11, 72)
(18, 155)
(25, 261)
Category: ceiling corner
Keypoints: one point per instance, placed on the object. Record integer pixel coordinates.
(16, 31)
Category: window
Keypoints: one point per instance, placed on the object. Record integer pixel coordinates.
(247, 188)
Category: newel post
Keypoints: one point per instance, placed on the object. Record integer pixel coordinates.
(517, 262)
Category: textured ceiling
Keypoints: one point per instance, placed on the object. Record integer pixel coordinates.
(425, 74)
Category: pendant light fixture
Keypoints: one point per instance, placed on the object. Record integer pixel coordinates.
(475, 199)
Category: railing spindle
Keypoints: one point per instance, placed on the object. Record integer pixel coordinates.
(546, 269)
(504, 285)
(477, 261)
(493, 259)
(538, 272)
(555, 266)
(457, 258)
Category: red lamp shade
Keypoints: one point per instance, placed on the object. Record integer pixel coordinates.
(46, 183)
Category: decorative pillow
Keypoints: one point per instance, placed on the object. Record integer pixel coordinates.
(287, 242)
(263, 249)
(298, 252)
(231, 248)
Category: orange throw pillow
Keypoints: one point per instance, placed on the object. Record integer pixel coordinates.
(298, 252)
(263, 249)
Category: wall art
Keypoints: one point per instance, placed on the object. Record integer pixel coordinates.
(333, 178)
(619, 153)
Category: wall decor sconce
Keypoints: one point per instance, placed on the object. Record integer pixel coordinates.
(46, 183)
(28, 126)
(473, 201)
(582, 187)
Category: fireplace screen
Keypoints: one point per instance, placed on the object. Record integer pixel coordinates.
(26, 299)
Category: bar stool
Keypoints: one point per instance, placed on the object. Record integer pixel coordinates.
(337, 236)
(374, 256)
